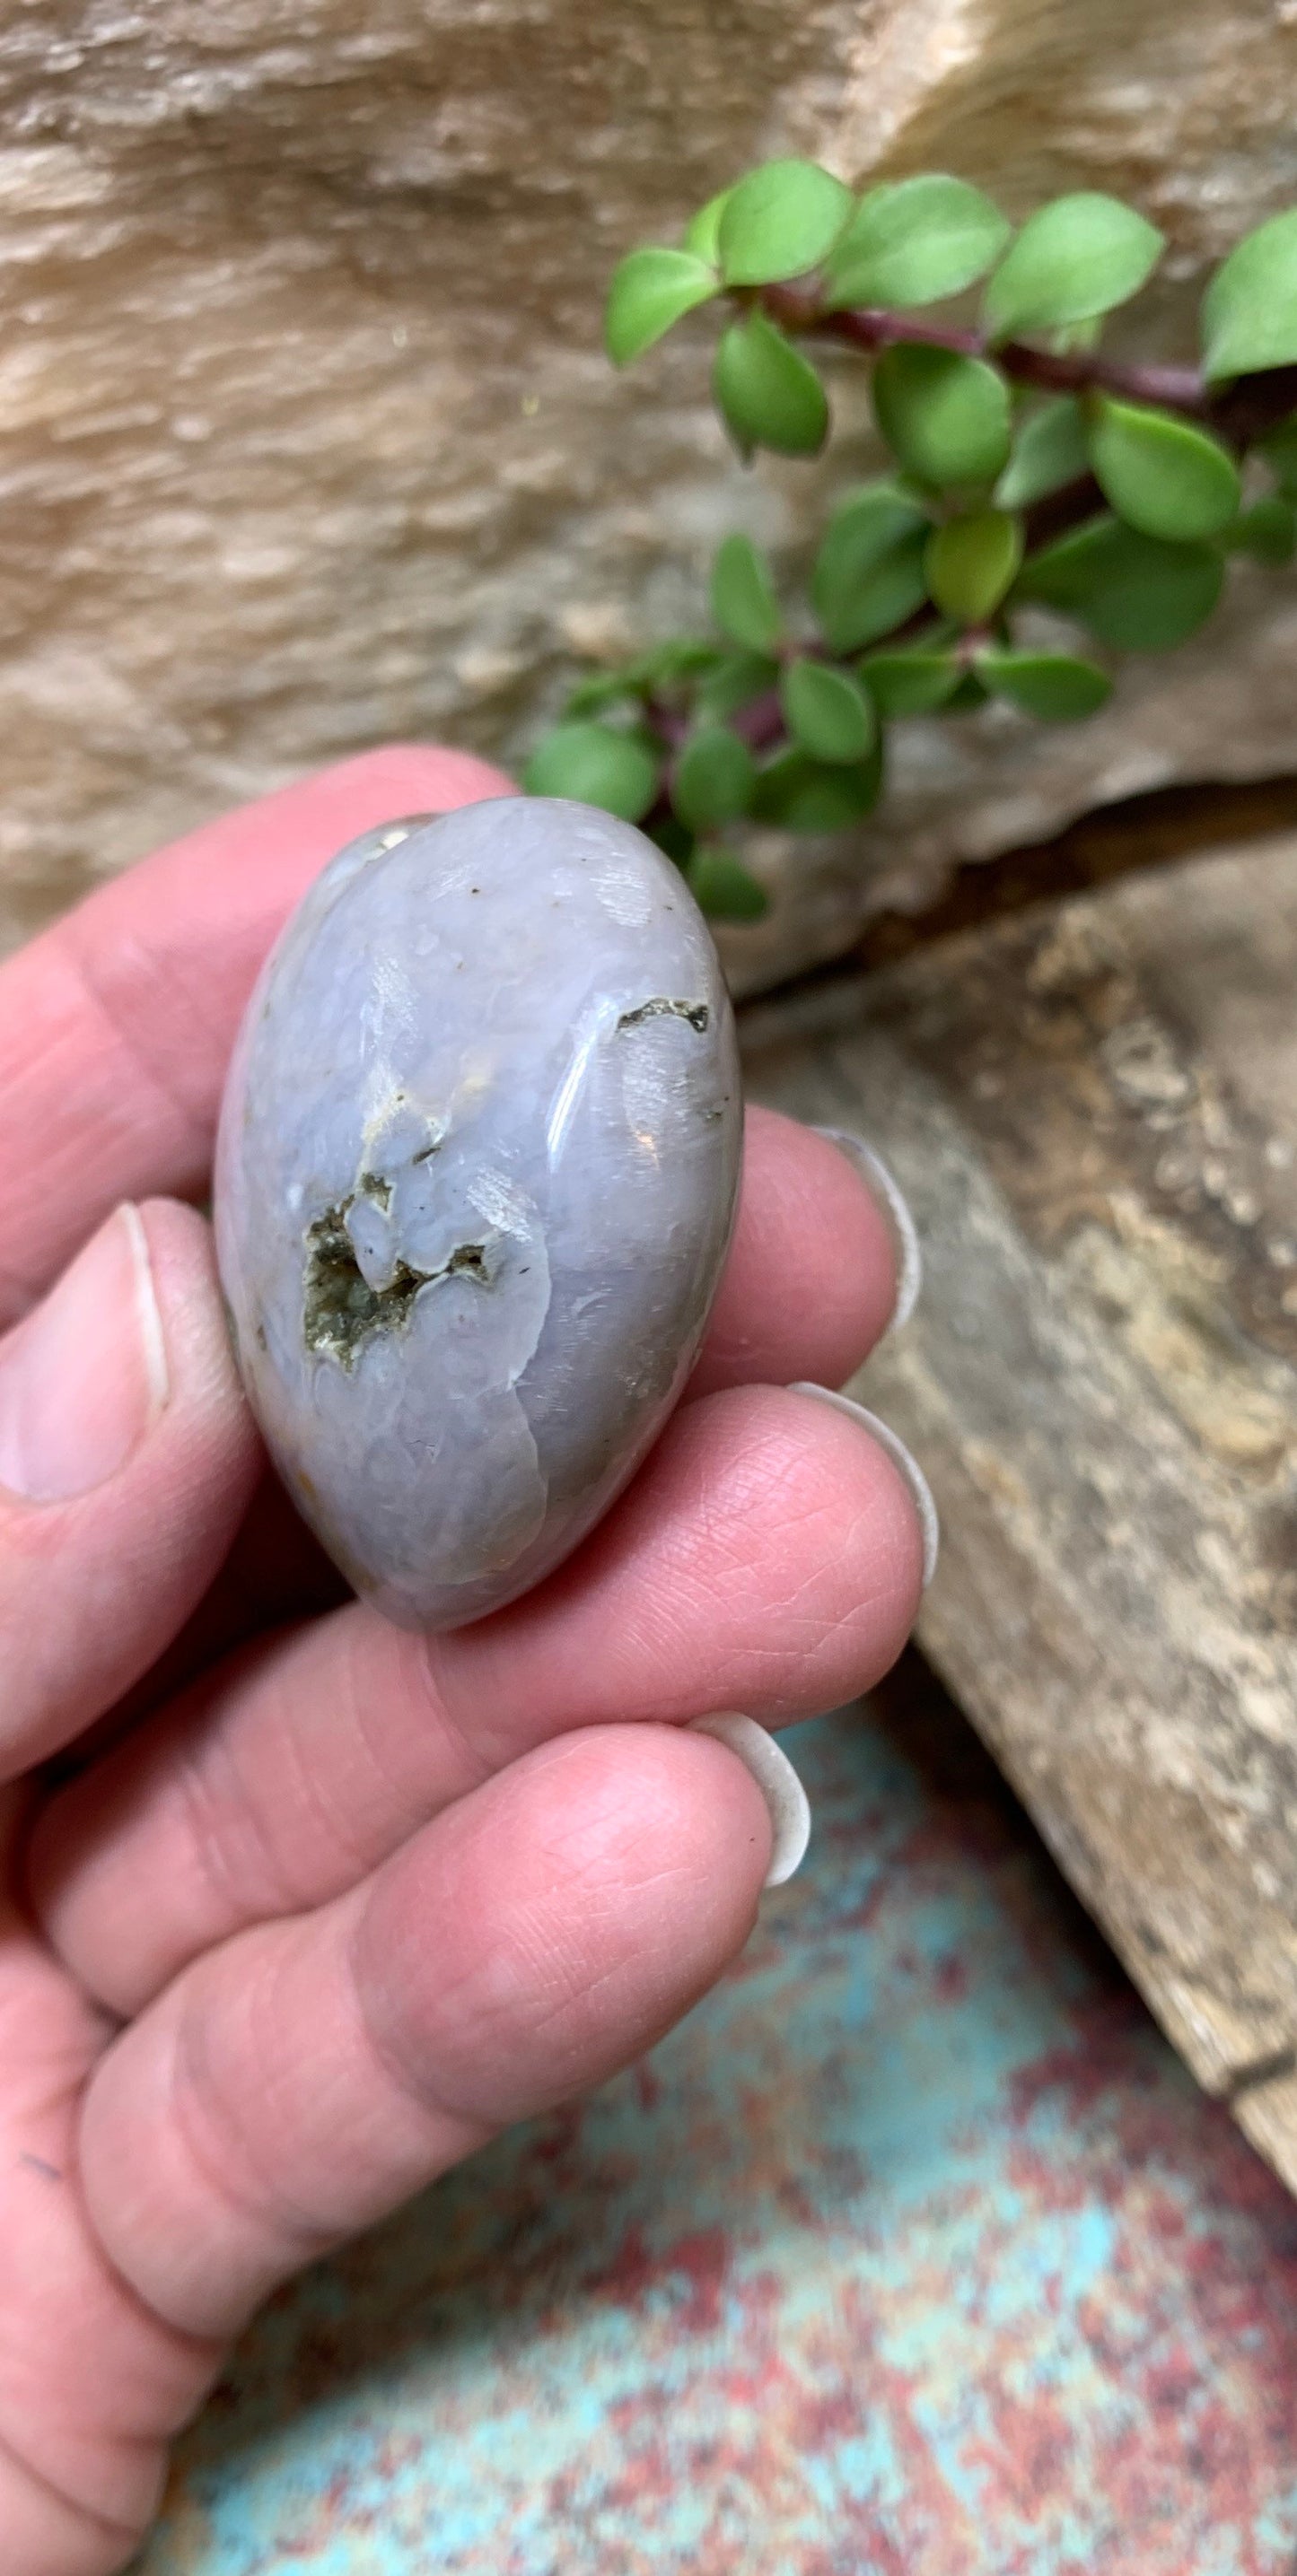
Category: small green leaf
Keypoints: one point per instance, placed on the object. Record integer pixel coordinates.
(736, 679)
(801, 794)
(869, 518)
(912, 241)
(602, 689)
(677, 657)
(1048, 451)
(596, 766)
(674, 840)
(1080, 256)
(744, 604)
(703, 235)
(827, 712)
(1136, 592)
(779, 221)
(650, 290)
(663, 666)
(911, 683)
(970, 563)
(713, 778)
(767, 393)
(1249, 312)
(1267, 532)
(946, 417)
(895, 590)
(723, 888)
(1056, 686)
(1161, 475)
(1280, 453)
(862, 531)
(884, 598)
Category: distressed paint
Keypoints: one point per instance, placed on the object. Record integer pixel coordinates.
(915, 2250)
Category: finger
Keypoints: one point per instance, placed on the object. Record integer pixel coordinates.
(304, 2079)
(91, 2384)
(127, 1455)
(767, 1558)
(275, 1574)
(783, 1312)
(811, 1279)
(116, 1025)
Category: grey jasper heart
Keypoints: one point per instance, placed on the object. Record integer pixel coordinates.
(476, 1175)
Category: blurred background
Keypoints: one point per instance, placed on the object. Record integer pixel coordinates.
(307, 438)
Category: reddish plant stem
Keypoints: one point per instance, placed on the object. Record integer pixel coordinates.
(759, 723)
(1079, 371)
(670, 726)
(1238, 413)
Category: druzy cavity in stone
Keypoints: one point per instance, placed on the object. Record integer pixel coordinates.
(476, 1176)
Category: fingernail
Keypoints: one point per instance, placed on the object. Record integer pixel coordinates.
(84, 1376)
(900, 1457)
(786, 1799)
(886, 1193)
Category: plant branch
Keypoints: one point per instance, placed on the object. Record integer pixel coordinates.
(668, 723)
(759, 724)
(1238, 413)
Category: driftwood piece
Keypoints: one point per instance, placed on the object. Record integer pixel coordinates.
(1093, 1110)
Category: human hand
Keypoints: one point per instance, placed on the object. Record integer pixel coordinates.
(297, 1909)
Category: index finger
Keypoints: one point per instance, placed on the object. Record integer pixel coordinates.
(116, 1024)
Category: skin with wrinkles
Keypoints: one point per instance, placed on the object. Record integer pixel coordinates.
(476, 1177)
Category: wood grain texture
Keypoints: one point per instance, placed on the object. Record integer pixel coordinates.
(1093, 1110)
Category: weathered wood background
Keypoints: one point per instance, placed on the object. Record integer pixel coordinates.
(1093, 1109)
(307, 437)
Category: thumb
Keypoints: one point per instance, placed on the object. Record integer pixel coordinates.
(127, 1456)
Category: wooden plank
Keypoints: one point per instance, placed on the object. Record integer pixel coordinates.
(1093, 1110)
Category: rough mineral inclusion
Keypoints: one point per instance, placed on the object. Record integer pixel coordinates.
(476, 1176)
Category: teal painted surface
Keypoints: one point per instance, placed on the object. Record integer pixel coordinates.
(914, 2250)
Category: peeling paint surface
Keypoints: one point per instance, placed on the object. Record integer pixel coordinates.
(913, 2253)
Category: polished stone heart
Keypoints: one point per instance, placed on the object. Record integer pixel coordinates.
(476, 1175)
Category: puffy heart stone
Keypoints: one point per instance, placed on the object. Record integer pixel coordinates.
(476, 1175)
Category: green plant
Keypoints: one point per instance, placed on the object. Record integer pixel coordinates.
(1028, 469)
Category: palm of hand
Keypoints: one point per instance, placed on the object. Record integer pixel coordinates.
(298, 1909)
